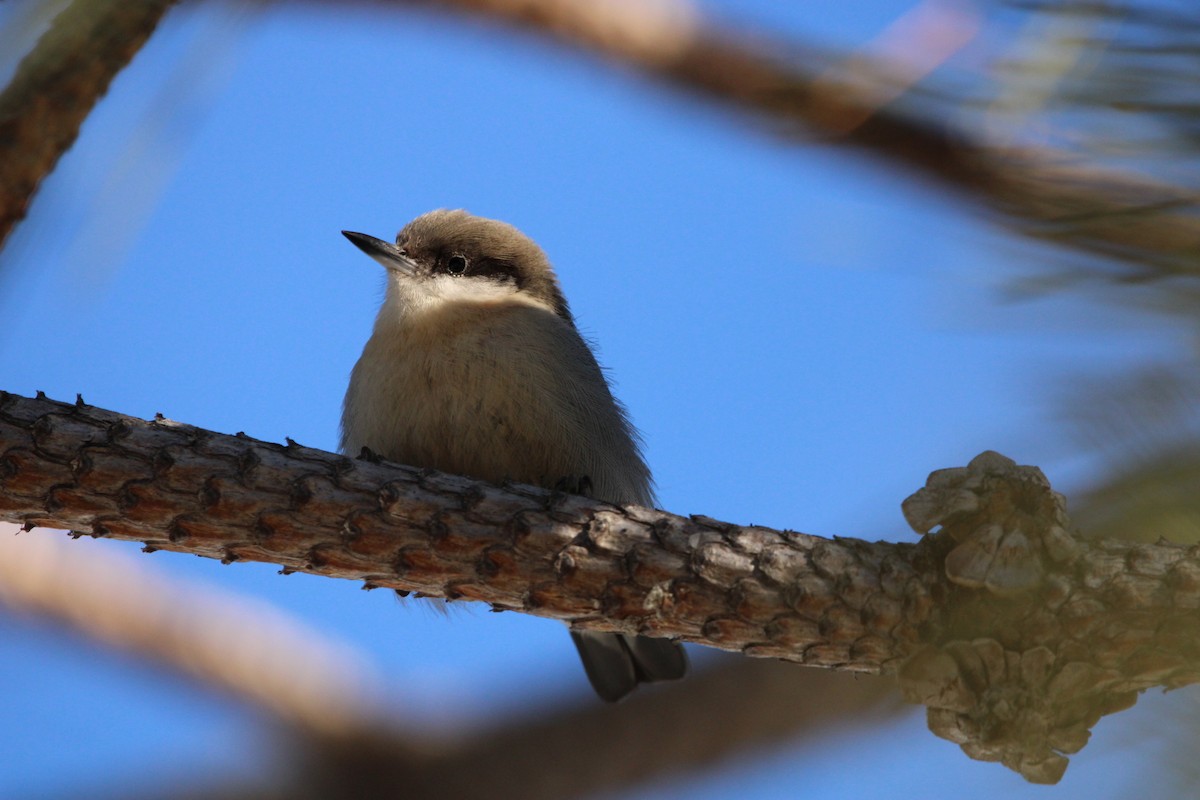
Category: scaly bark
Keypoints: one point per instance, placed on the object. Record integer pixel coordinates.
(1017, 634)
(845, 603)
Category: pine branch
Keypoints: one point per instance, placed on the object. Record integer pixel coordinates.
(327, 701)
(1018, 635)
(176, 487)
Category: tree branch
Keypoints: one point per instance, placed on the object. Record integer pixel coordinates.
(1017, 634)
(327, 699)
(593, 565)
(241, 647)
(730, 708)
(861, 102)
(55, 87)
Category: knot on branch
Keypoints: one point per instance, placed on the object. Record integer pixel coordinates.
(1019, 673)
(1006, 520)
(1023, 709)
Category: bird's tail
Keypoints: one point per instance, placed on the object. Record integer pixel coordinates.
(616, 664)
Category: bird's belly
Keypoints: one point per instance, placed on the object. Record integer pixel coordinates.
(457, 408)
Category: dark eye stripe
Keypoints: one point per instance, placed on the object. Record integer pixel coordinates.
(496, 267)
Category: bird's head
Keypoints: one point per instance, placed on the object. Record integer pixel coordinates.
(452, 256)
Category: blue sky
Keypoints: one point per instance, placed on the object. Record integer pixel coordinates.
(801, 334)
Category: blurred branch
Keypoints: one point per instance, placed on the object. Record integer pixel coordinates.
(733, 707)
(1143, 424)
(868, 101)
(238, 646)
(55, 87)
(1148, 224)
(1002, 608)
(1150, 499)
(330, 701)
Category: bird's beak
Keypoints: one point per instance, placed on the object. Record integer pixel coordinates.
(385, 253)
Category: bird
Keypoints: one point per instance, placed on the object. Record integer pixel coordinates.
(475, 366)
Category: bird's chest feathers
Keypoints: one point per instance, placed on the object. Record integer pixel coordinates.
(454, 388)
(453, 361)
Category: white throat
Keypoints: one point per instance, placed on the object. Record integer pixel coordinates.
(408, 297)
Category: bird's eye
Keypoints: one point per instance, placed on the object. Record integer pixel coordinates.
(456, 265)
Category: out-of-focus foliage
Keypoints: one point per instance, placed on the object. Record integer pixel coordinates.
(1147, 428)
(1125, 79)
(1118, 87)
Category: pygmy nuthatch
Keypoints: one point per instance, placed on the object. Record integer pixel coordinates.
(475, 367)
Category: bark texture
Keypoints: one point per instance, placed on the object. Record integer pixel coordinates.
(843, 603)
(1017, 634)
(1052, 633)
(344, 737)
